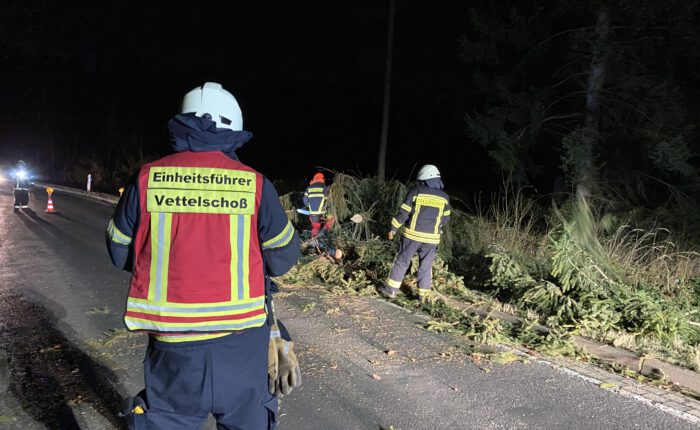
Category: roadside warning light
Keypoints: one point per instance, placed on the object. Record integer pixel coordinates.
(49, 190)
(121, 191)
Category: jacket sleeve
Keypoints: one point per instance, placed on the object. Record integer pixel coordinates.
(446, 213)
(404, 211)
(122, 228)
(279, 240)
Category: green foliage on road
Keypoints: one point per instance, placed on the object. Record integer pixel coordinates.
(570, 267)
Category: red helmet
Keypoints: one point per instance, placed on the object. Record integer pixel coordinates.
(318, 177)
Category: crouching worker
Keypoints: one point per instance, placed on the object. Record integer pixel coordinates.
(201, 232)
(323, 246)
(427, 207)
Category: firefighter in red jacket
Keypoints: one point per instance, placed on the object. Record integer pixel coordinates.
(201, 233)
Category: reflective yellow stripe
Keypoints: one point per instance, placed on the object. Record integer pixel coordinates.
(281, 239)
(395, 223)
(117, 236)
(406, 207)
(160, 256)
(321, 207)
(436, 230)
(421, 234)
(251, 303)
(240, 246)
(447, 213)
(422, 237)
(414, 218)
(393, 284)
(189, 337)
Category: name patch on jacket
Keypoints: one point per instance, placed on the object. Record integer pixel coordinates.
(200, 190)
(433, 201)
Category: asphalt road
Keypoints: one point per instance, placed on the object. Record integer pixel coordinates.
(65, 363)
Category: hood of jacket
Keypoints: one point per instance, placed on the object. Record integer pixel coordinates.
(189, 132)
(435, 183)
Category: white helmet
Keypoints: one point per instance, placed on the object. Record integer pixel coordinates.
(428, 172)
(212, 99)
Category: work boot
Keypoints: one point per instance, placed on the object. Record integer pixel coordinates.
(387, 291)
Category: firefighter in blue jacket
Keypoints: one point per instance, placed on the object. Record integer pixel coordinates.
(316, 201)
(427, 208)
(201, 233)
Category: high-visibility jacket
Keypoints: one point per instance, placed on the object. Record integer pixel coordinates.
(316, 198)
(427, 210)
(21, 183)
(202, 224)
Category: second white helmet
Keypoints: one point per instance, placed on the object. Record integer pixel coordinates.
(428, 172)
(213, 100)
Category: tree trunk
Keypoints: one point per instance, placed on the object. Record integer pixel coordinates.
(591, 133)
(381, 168)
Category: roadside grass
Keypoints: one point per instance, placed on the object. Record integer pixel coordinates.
(574, 268)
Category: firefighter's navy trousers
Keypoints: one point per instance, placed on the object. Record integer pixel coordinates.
(227, 377)
(426, 254)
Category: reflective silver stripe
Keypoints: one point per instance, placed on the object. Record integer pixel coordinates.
(242, 274)
(117, 236)
(255, 304)
(159, 259)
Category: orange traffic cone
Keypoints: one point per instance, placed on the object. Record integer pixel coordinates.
(49, 206)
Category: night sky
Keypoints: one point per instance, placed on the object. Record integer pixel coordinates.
(309, 77)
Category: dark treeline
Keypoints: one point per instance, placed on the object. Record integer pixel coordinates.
(599, 94)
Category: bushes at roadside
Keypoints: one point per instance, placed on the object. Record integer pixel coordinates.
(569, 268)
